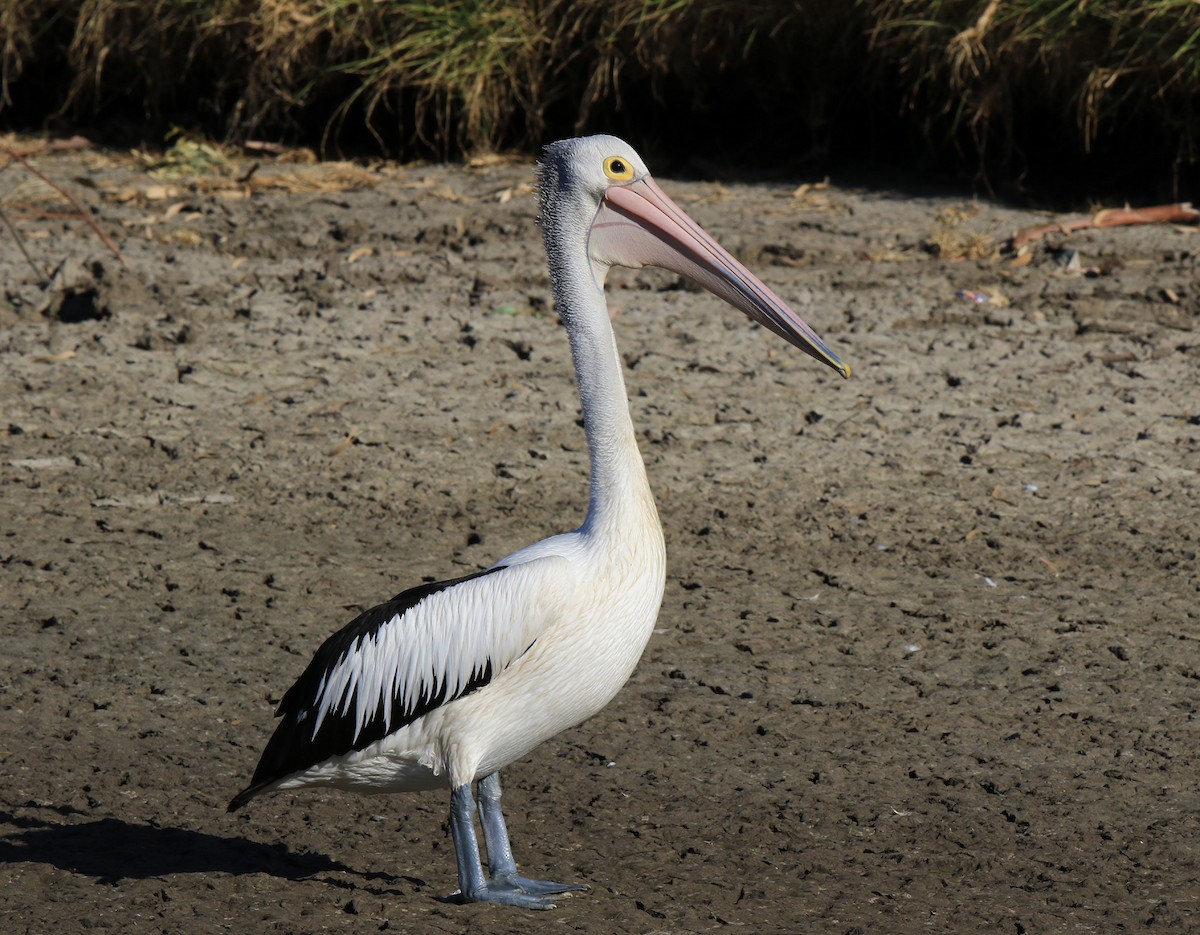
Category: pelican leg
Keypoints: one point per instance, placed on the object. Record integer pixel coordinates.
(472, 886)
(502, 866)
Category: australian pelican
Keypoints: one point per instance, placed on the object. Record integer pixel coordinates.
(447, 683)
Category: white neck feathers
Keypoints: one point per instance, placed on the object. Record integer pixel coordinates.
(620, 492)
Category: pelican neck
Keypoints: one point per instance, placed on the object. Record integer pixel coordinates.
(619, 487)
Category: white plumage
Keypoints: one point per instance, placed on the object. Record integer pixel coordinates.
(447, 683)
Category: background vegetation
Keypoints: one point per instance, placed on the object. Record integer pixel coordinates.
(1056, 95)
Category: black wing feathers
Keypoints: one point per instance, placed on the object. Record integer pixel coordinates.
(293, 747)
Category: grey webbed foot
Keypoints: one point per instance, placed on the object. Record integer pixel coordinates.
(504, 896)
(513, 881)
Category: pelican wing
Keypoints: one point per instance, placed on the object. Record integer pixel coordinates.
(398, 661)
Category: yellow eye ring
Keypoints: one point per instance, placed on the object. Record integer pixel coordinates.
(618, 169)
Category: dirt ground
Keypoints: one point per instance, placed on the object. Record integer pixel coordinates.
(929, 657)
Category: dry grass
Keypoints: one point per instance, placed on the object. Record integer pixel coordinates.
(461, 76)
(1103, 66)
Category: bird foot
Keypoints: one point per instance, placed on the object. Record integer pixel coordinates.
(512, 881)
(504, 897)
(511, 890)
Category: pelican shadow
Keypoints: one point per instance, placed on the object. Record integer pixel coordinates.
(112, 850)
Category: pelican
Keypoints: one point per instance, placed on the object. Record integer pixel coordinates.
(449, 682)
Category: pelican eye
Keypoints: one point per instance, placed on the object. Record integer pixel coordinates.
(618, 169)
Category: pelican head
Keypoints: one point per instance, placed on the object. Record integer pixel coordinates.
(597, 196)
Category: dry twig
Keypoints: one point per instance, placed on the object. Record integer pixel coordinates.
(52, 146)
(41, 275)
(73, 143)
(1181, 213)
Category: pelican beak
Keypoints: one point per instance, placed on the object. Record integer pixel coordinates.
(638, 225)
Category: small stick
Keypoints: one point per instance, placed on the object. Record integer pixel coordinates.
(28, 212)
(264, 146)
(83, 212)
(54, 146)
(1181, 213)
(41, 276)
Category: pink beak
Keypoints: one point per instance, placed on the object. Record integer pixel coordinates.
(638, 225)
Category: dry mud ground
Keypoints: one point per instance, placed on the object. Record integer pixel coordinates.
(929, 657)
